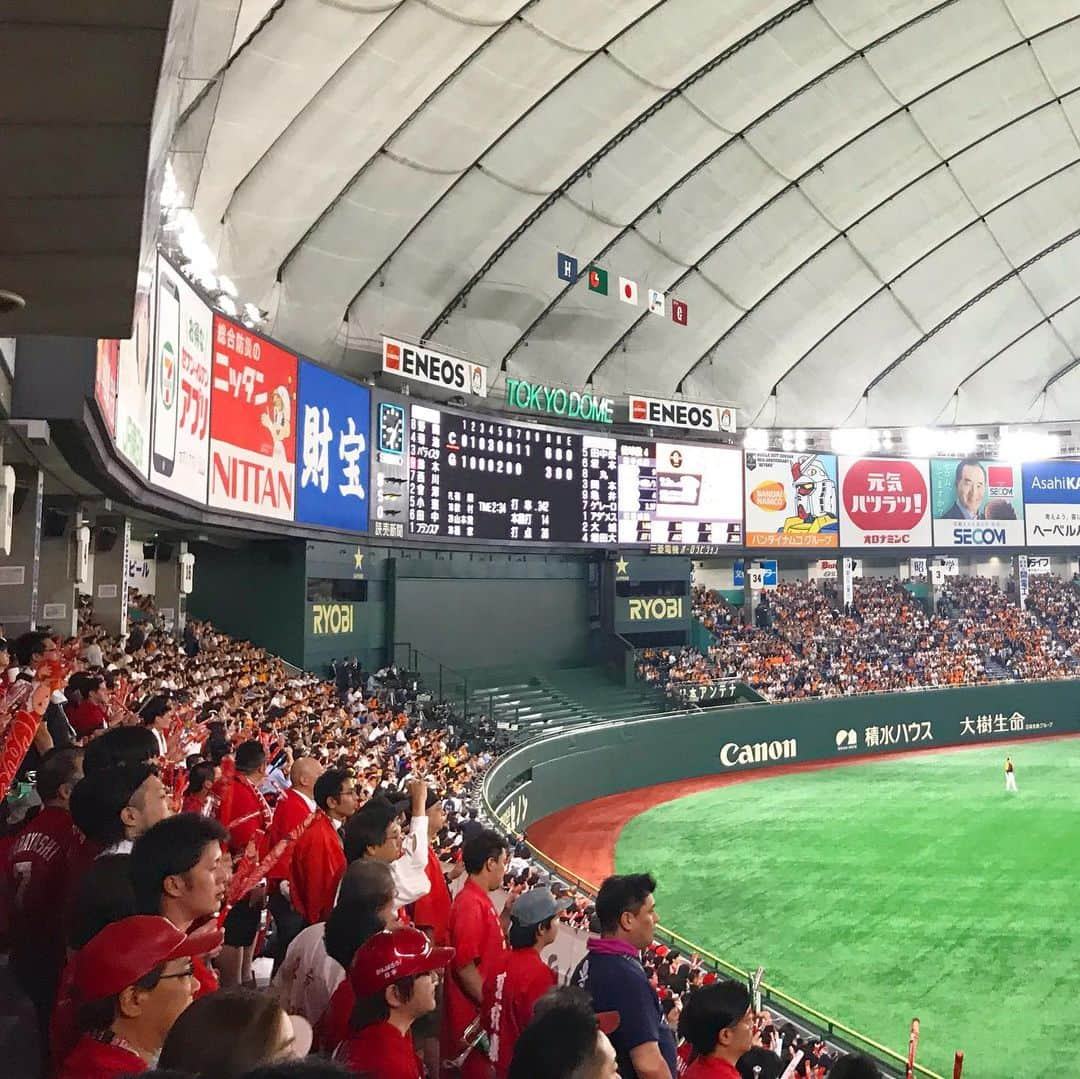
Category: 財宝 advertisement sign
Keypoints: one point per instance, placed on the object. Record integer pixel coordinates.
(1052, 502)
(791, 500)
(439, 369)
(180, 415)
(660, 412)
(977, 503)
(252, 424)
(333, 468)
(884, 502)
(555, 401)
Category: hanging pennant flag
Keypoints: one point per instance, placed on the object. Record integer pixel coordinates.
(566, 267)
(679, 312)
(598, 280)
(628, 291)
(656, 302)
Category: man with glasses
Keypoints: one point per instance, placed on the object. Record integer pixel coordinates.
(134, 979)
(718, 1022)
(318, 859)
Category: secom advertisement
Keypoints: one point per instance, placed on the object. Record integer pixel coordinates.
(977, 503)
(791, 500)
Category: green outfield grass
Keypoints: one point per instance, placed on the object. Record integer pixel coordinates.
(881, 891)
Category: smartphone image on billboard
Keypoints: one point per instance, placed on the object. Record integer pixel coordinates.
(166, 375)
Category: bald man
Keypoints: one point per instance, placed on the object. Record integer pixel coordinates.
(294, 808)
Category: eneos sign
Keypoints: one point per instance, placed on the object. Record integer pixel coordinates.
(434, 368)
(657, 412)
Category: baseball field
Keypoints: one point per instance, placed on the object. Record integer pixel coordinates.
(880, 891)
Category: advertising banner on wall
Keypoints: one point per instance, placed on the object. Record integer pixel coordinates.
(105, 378)
(884, 502)
(791, 500)
(438, 369)
(134, 381)
(333, 467)
(661, 412)
(180, 414)
(252, 424)
(1052, 502)
(977, 503)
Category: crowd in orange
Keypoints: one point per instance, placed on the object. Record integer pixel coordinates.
(807, 644)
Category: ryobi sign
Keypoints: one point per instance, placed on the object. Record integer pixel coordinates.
(658, 609)
(332, 619)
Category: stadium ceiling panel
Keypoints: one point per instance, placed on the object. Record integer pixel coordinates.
(871, 210)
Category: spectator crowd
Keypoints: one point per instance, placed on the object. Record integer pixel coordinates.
(805, 643)
(212, 865)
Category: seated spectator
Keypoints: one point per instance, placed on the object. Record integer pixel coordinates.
(132, 981)
(393, 975)
(89, 715)
(199, 795)
(228, 1033)
(566, 1040)
(522, 977)
(718, 1023)
(616, 981)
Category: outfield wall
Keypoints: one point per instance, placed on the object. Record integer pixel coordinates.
(555, 771)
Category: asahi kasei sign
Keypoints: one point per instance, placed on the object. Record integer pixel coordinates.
(435, 368)
(658, 412)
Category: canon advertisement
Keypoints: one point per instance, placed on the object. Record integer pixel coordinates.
(884, 502)
(791, 500)
(180, 417)
(977, 503)
(252, 424)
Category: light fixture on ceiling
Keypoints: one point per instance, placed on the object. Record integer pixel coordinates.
(10, 301)
(755, 440)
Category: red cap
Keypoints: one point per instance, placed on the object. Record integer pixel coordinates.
(128, 950)
(709, 979)
(391, 955)
(661, 950)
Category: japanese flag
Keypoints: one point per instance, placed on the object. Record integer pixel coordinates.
(656, 302)
(628, 291)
